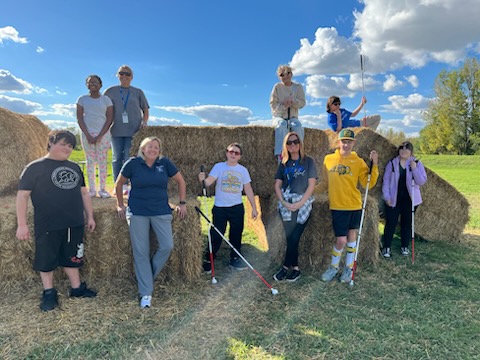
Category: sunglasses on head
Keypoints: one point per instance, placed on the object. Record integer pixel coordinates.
(233, 152)
(296, 142)
(125, 73)
(284, 74)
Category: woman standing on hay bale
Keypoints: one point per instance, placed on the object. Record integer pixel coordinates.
(60, 199)
(94, 116)
(149, 173)
(294, 184)
(286, 98)
(231, 179)
(342, 171)
(339, 119)
(397, 193)
(130, 114)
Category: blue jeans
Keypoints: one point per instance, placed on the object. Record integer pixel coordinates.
(120, 153)
(281, 130)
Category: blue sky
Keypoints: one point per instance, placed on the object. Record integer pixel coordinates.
(213, 62)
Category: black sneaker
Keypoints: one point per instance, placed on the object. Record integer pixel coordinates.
(237, 263)
(207, 267)
(281, 274)
(294, 275)
(82, 291)
(49, 300)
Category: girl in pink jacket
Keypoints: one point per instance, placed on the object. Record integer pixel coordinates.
(397, 192)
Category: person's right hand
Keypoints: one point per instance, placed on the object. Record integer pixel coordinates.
(121, 212)
(23, 232)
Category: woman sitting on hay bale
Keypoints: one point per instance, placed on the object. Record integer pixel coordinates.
(342, 171)
(60, 198)
(401, 185)
(148, 206)
(286, 99)
(294, 184)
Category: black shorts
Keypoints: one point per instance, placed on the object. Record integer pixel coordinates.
(59, 248)
(344, 220)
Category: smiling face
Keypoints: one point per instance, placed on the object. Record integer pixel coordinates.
(151, 151)
(285, 74)
(405, 150)
(234, 153)
(93, 84)
(60, 151)
(125, 75)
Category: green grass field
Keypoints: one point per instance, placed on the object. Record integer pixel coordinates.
(396, 310)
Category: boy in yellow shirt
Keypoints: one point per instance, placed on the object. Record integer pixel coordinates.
(342, 171)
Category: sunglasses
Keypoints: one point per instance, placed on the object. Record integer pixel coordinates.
(404, 147)
(285, 74)
(233, 152)
(295, 142)
(336, 103)
(125, 73)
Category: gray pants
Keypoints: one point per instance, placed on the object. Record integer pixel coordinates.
(146, 268)
(281, 130)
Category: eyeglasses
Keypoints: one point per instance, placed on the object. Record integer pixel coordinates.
(293, 142)
(125, 73)
(233, 152)
(336, 103)
(285, 74)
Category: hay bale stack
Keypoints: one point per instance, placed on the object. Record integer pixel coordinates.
(23, 138)
(107, 250)
(256, 225)
(315, 247)
(190, 147)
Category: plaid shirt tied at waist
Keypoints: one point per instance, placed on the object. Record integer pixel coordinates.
(303, 212)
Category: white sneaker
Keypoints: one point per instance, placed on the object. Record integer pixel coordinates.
(146, 301)
(104, 194)
(92, 193)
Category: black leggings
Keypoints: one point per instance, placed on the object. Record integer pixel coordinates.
(404, 210)
(293, 232)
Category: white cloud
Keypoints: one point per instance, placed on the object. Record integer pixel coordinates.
(158, 121)
(11, 83)
(321, 86)
(394, 34)
(214, 114)
(60, 124)
(40, 49)
(404, 104)
(391, 83)
(10, 33)
(60, 92)
(328, 54)
(19, 105)
(413, 80)
(64, 110)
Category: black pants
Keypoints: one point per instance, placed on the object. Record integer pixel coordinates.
(221, 215)
(293, 232)
(404, 210)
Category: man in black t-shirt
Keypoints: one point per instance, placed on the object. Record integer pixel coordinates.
(60, 199)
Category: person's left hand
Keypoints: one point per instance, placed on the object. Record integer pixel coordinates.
(413, 163)
(181, 209)
(254, 214)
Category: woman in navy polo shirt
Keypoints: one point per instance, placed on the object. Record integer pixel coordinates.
(148, 206)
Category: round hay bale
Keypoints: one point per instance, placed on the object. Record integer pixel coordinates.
(108, 251)
(316, 244)
(23, 138)
(190, 147)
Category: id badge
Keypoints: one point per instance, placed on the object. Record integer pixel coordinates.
(125, 117)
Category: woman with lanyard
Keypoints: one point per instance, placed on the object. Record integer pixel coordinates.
(294, 183)
(130, 114)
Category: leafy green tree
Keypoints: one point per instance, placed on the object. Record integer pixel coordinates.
(453, 117)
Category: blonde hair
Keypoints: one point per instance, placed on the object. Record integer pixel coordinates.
(145, 142)
(286, 154)
(282, 68)
(125, 67)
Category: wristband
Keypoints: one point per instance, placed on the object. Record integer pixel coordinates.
(182, 202)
